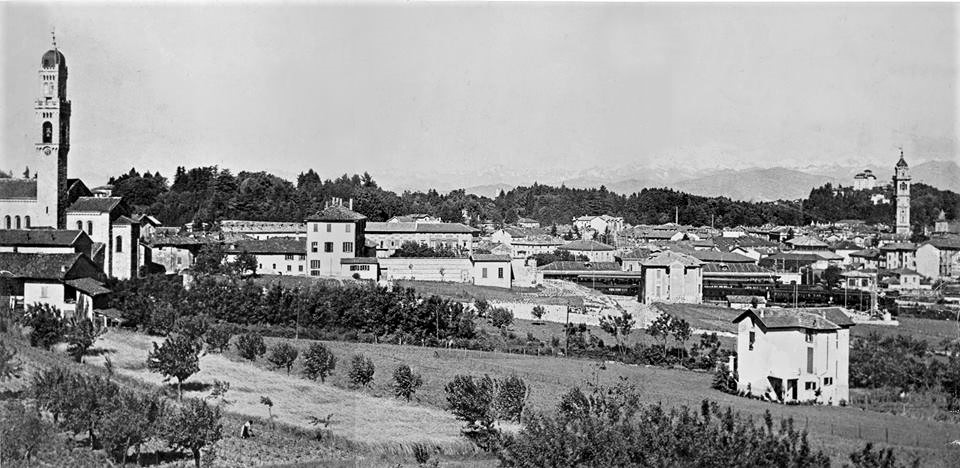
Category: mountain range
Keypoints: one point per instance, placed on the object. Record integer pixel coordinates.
(750, 183)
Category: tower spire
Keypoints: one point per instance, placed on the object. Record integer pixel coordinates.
(53, 38)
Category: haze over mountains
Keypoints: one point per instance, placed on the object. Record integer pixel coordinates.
(751, 183)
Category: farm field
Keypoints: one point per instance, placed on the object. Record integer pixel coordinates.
(837, 430)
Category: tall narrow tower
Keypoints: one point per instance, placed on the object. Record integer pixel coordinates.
(53, 121)
(901, 184)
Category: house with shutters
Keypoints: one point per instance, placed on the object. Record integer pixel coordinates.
(794, 355)
(671, 277)
(333, 234)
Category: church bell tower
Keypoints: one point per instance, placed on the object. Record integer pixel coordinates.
(53, 124)
(901, 185)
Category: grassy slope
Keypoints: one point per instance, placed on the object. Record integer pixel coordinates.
(837, 430)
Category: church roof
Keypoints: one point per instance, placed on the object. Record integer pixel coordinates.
(18, 188)
(45, 266)
(902, 162)
(52, 58)
(94, 204)
(40, 238)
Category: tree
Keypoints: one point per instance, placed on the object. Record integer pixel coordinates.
(681, 332)
(538, 312)
(44, 319)
(361, 370)
(129, 419)
(218, 337)
(194, 426)
(81, 336)
(245, 262)
(619, 327)
(471, 400)
(413, 249)
(501, 317)
(482, 306)
(250, 346)
(660, 330)
(283, 355)
(318, 361)
(511, 398)
(177, 358)
(405, 382)
(266, 401)
(193, 327)
(22, 432)
(210, 259)
(831, 276)
(10, 366)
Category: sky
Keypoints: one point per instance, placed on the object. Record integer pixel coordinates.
(406, 89)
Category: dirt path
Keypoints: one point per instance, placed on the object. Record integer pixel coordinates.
(356, 416)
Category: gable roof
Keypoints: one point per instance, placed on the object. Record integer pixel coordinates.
(807, 241)
(711, 256)
(47, 266)
(945, 243)
(638, 253)
(336, 213)
(586, 245)
(89, 286)
(815, 318)
(866, 253)
(94, 204)
(276, 245)
(489, 258)
(736, 269)
(18, 188)
(40, 238)
(667, 258)
(898, 246)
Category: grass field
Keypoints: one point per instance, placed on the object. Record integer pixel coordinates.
(468, 293)
(836, 430)
(932, 331)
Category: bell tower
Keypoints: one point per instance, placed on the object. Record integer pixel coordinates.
(901, 186)
(52, 111)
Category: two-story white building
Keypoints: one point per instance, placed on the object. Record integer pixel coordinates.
(390, 236)
(107, 221)
(671, 277)
(334, 233)
(275, 256)
(794, 354)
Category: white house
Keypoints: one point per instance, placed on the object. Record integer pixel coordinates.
(491, 270)
(794, 354)
(390, 236)
(275, 256)
(71, 282)
(335, 233)
(599, 224)
(939, 258)
(672, 277)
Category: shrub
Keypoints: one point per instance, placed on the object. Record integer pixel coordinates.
(128, 420)
(283, 355)
(725, 381)
(471, 400)
(176, 358)
(250, 346)
(501, 317)
(511, 398)
(22, 432)
(482, 306)
(81, 336)
(538, 312)
(318, 361)
(361, 370)
(405, 382)
(10, 366)
(192, 326)
(47, 328)
(218, 337)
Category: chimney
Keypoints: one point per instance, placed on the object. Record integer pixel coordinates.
(351, 204)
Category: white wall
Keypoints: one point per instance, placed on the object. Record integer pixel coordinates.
(457, 270)
(277, 264)
(322, 263)
(497, 274)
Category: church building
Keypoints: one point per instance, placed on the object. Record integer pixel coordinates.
(49, 200)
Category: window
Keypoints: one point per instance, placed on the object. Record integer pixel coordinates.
(328, 246)
(347, 247)
(313, 247)
(315, 227)
(303, 257)
(89, 228)
(43, 292)
(289, 268)
(314, 272)
(809, 336)
(16, 220)
(47, 132)
(810, 385)
(314, 263)
(26, 221)
(329, 227)
(79, 225)
(6, 221)
(827, 381)
(300, 267)
(359, 267)
(809, 360)
(484, 272)
(500, 273)
(119, 243)
(753, 339)
(288, 257)
(348, 227)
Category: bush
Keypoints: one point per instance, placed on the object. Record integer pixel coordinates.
(128, 420)
(725, 381)
(81, 336)
(193, 427)
(501, 317)
(47, 328)
(283, 355)
(511, 398)
(192, 326)
(22, 432)
(10, 366)
(176, 358)
(538, 312)
(482, 306)
(318, 361)
(361, 370)
(405, 382)
(218, 337)
(250, 346)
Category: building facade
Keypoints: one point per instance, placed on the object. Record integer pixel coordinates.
(901, 184)
(671, 277)
(335, 233)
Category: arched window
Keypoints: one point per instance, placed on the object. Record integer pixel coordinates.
(47, 132)
(89, 228)
(6, 220)
(17, 221)
(26, 222)
(79, 225)
(119, 244)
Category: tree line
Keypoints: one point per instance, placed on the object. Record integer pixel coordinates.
(210, 194)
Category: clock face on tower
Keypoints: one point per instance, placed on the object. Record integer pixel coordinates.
(47, 151)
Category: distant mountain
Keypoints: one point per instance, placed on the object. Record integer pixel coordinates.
(755, 184)
(489, 190)
(944, 175)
